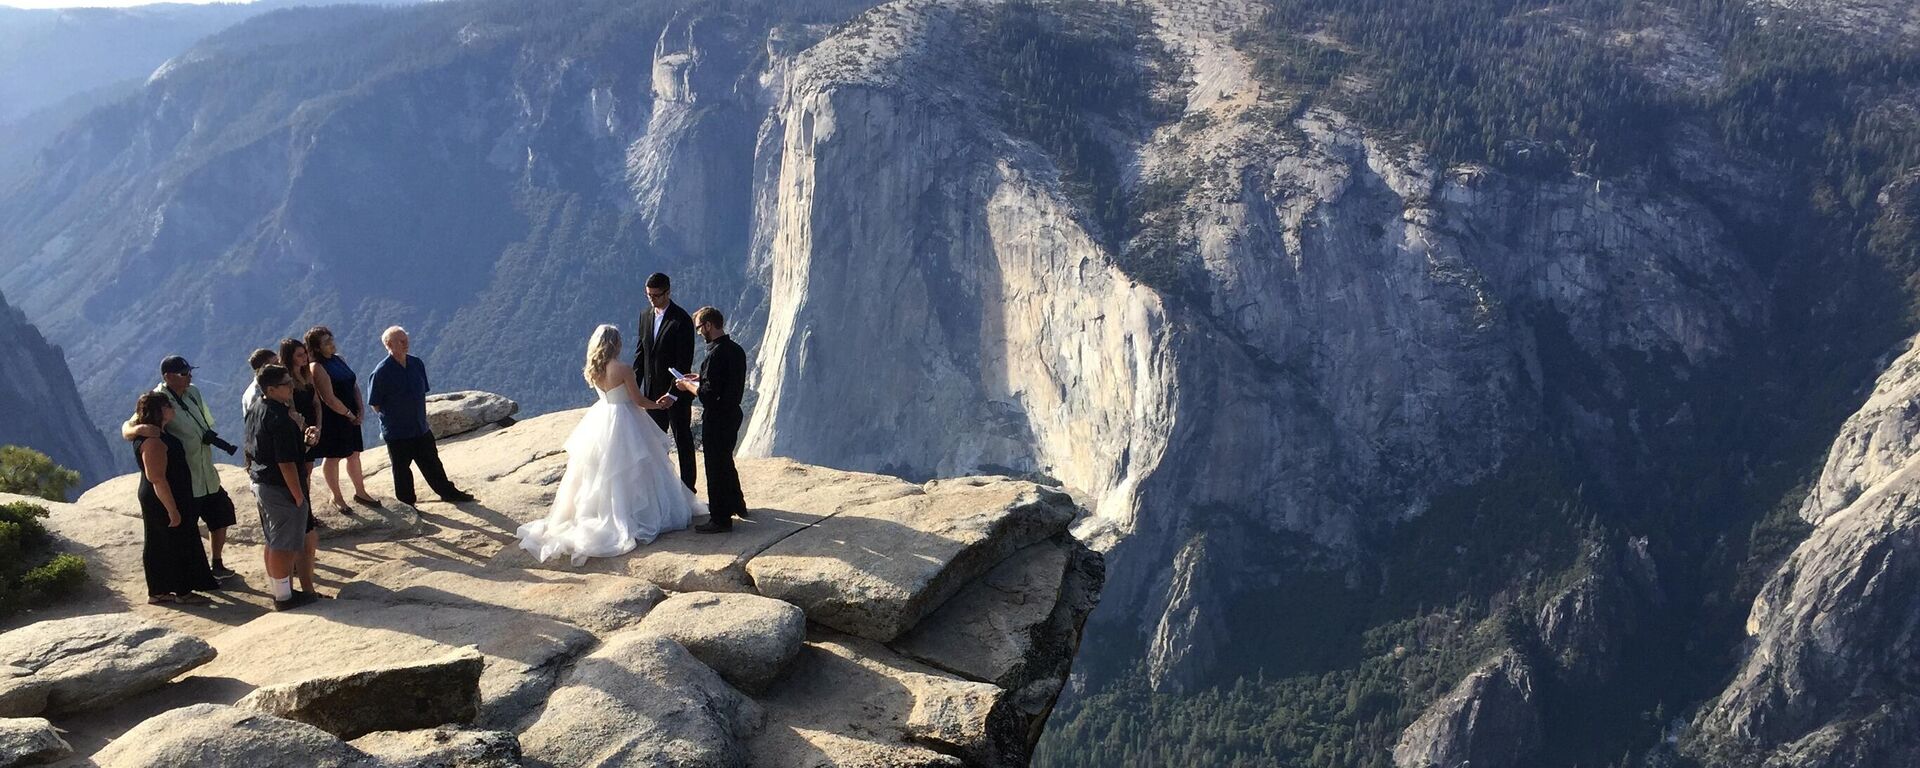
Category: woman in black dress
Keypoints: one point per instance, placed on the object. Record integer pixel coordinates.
(175, 561)
(306, 402)
(337, 393)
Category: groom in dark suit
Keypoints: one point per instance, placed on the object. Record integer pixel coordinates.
(666, 341)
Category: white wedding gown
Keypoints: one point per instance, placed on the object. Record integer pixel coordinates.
(620, 489)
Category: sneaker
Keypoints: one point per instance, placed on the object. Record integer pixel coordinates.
(713, 527)
(299, 599)
(222, 572)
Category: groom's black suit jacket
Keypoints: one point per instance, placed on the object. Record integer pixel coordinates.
(672, 348)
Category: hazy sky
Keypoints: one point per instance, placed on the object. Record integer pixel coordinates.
(89, 3)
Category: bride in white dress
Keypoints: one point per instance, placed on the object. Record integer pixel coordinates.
(620, 489)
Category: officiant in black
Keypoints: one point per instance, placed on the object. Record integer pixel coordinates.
(665, 341)
(720, 384)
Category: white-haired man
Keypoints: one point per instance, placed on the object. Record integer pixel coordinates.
(399, 394)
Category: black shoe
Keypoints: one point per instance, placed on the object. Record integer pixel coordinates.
(456, 497)
(222, 572)
(299, 599)
(713, 527)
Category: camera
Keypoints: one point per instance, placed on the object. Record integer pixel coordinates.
(212, 438)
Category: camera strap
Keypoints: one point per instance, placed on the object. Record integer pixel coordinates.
(193, 413)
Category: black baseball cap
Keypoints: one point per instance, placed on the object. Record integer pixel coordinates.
(175, 364)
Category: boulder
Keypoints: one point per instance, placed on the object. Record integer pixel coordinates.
(399, 697)
(848, 701)
(642, 699)
(992, 630)
(1491, 719)
(457, 413)
(21, 692)
(875, 570)
(30, 741)
(524, 652)
(88, 662)
(443, 747)
(748, 639)
(214, 736)
(970, 719)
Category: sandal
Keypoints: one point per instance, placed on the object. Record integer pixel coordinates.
(163, 599)
(191, 598)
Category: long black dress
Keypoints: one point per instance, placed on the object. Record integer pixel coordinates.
(306, 402)
(174, 559)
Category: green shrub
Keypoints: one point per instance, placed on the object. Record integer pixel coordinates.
(58, 578)
(28, 472)
(31, 574)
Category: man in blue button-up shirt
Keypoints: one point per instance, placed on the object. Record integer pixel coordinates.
(399, 394)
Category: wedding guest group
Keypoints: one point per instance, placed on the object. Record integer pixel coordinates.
(305, 405)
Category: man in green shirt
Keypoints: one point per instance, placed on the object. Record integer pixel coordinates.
(193, 427)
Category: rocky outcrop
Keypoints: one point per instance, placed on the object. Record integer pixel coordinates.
(30, 741)
(40, 407)
(617, 658)
(877, 570)
(748, 639)
(394, 698)
(1830, 676)
(451, 414)
(1491, 719)
(92, 661)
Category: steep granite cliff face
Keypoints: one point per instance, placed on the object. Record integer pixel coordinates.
(1829, 679)
(40, 407)
(1354, 329)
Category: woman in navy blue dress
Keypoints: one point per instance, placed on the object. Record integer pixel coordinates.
(337, 392)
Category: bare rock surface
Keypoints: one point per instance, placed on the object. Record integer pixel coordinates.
(876, 570)
(93, 661)
(30, 741)
(599, 602)
(748, 639)
(397, 697)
